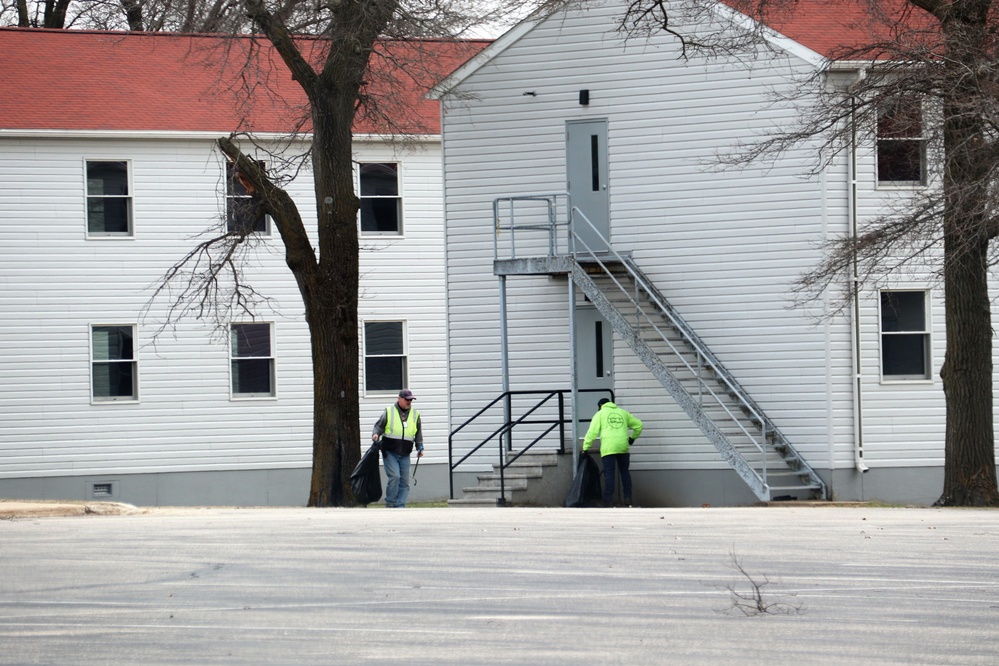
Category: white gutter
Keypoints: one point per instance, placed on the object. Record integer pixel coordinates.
(858, 386)
(193, 135)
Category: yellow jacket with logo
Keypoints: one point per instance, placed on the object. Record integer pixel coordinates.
(614, 426)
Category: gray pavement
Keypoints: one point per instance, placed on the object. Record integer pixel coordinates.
(839, 585)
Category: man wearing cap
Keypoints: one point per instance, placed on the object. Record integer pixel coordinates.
(399, 429)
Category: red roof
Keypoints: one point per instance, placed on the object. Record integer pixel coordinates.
(834, 28)
(82, 80)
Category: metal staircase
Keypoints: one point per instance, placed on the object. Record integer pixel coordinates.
(706, 391)
(698, 382)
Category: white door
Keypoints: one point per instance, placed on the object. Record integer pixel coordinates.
(586, 175)
(594, 359)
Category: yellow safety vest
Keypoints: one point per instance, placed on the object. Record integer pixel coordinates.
(394, 424)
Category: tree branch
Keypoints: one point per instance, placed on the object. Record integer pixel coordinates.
(276, 32)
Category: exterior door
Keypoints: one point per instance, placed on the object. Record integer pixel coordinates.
(586, 173)
(594, 359)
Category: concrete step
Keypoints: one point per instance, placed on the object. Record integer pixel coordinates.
(466, 502)
(510, 481)
(534, 458)
(485, 492)
(525, 470)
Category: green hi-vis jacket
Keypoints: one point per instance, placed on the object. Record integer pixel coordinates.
(612, 425)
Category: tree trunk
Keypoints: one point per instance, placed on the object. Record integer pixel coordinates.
(334, 325)
(969, 447)
(55, 14)
(969, 458)
(329, 286)
(133, 14)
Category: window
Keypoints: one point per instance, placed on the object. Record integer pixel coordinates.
(109, 202)
(113, 365)
(381, 205)
(905, 337)
(239, 206)
(901, 146)
(252, 360)
(384, 356)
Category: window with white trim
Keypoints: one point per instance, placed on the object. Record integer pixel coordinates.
(905, 335)
(901, 144)
(381, 203)
(240, 211)
(109, 198)
(113, 365)
(252, 360)
(385, 359)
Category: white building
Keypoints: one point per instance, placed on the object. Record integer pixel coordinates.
(631, 130)
(109, 178)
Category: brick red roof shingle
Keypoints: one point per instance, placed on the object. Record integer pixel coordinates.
(83, 80)
(837, 28)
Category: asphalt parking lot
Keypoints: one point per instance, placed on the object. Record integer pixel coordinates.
(776, 585)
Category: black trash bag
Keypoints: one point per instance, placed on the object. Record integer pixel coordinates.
(365, 480)
(586, 490)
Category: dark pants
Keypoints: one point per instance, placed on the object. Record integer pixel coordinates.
(613, 463)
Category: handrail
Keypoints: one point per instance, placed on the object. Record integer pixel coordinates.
(508, 426)
(698, 347)
(701, 351)
(552, 203)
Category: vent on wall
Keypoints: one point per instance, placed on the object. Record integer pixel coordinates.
(105, 489)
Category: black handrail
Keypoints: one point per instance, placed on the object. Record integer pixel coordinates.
(505, 431)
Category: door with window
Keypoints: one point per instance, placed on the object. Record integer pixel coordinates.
(586, 175)
(594, 359)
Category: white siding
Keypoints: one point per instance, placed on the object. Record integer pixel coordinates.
(55, 283)
(403, 279)
(722, 246)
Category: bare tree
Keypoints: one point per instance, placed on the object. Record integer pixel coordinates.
(349, 70)
(35, 14)
(435, 18)
(202, 16)
(940, 57)
(349, 58)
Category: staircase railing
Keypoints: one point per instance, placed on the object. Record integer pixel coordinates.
(705, 359)
(523, 217)
(520, 215)
(504, 433)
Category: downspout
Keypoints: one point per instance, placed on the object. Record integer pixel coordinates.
(827, 333)
(858, 388)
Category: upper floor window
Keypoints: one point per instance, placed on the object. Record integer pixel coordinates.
(109, 199)
(905, 335)
(381, 204)
(252, 360)
(239, 207)
(385, 363)
(901, 144)
(114, 369)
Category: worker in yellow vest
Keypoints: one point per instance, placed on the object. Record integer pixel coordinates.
(399, 429)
